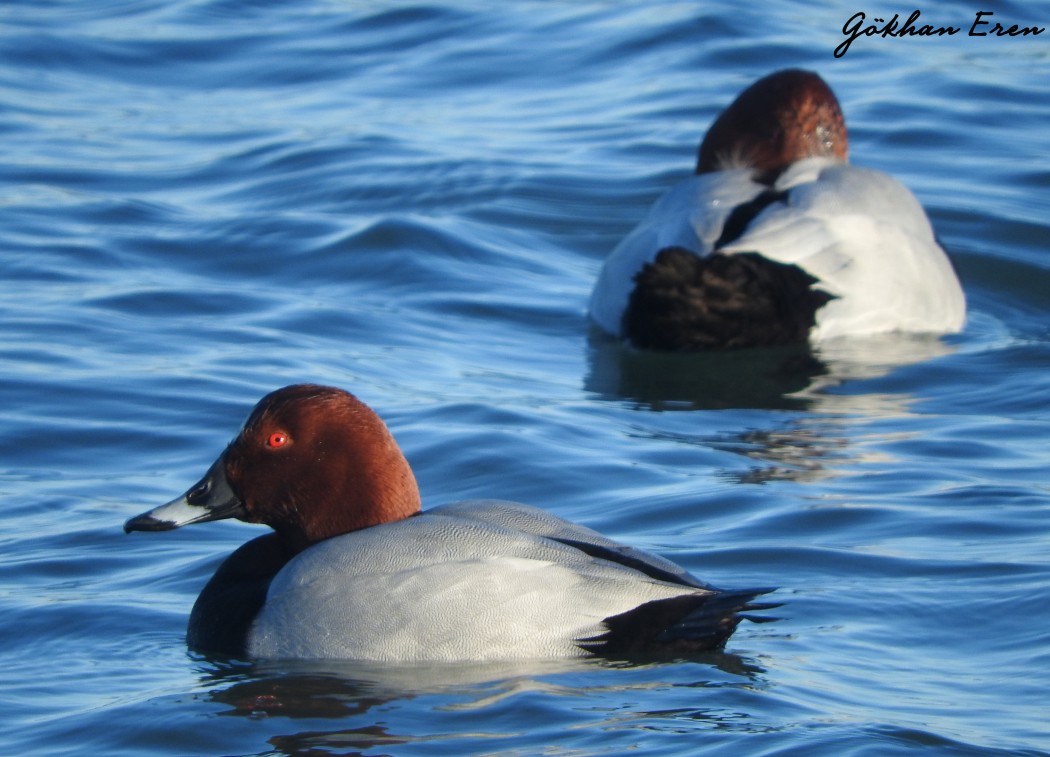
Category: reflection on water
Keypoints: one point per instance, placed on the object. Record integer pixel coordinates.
(356, 693)
(825, 385)
(857, 358)
(801, 451)
(752, 378)
(792, 377)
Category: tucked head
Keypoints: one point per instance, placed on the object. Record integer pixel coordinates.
(311, 462)
(782, 118)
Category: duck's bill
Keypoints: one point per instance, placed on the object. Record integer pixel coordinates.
(211, 498)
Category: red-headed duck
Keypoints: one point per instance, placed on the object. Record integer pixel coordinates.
(354, 570)
(777, 239)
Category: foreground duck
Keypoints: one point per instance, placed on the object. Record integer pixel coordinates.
(777, 239)
(354, 570)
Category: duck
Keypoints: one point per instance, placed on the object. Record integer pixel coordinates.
(777, 239)
(353, 569)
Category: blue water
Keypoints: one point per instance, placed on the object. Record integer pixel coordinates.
(203, 200)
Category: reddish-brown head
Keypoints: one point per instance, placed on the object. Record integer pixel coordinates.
(314, 462)
(782, 118)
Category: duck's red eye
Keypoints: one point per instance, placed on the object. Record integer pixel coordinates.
(277, 439)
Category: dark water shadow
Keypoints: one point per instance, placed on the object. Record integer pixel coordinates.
(358, 695)
(790, 377)
(747, 379)
(822, 390)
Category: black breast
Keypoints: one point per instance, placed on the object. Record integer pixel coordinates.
(230, 601)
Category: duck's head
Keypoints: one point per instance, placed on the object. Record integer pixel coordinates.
(311, 462)
(780, 119)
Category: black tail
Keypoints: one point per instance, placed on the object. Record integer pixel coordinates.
(682, 301)
(687, 624)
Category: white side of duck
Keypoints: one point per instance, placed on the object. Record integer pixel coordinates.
(861, 233)
(467, 581)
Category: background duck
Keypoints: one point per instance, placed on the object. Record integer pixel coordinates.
(778, 239)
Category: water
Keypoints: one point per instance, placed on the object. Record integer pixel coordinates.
(202, 200)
